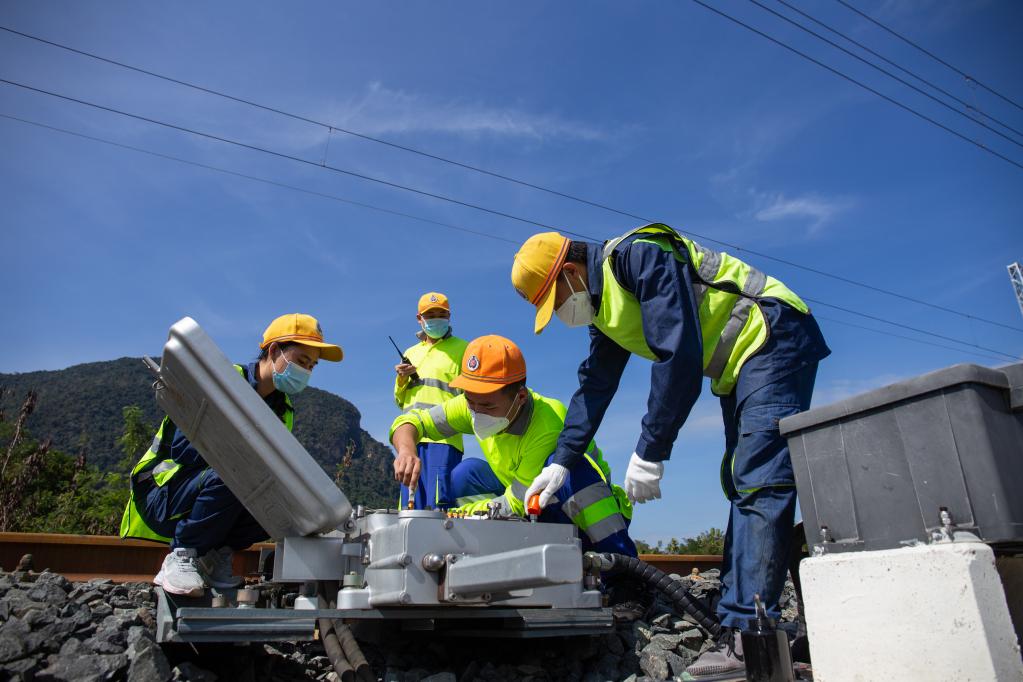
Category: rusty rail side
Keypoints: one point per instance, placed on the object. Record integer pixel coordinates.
(83, 557)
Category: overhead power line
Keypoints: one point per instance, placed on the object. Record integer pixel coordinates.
(966, 105)
(275, 183)
(906, 326)
(986, 356)
(863, 85)
(929, 53)
(886, 72)
(334, 128)
(290, 157)
(447, 225)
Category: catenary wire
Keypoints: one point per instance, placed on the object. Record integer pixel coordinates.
(859, 83)
(460, 228)
(966, 105)
(906, 326)
(255, 178)
(835, 320)
(290, 157)
(523, 183)
(886, 72)
(928, 53)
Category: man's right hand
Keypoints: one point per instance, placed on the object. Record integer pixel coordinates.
(406, 467)
(405, 369)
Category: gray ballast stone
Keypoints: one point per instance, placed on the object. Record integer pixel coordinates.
(92, 668)
(654, 663)
(441, 677)
(149, 665)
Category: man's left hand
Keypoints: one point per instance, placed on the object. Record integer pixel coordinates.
(643, 480)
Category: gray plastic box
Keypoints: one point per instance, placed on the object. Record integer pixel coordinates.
(876, 469)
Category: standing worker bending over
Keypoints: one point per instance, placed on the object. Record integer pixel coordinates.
(435, 361)
(177, 498)
(693, 312)
(517, 430)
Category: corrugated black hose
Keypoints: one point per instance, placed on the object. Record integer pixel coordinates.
(675, 591)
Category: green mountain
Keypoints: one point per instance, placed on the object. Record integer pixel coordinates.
(80, 410)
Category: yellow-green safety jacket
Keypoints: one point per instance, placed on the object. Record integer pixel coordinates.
(726, 291)
(436, 364)
(158, 468)
(517, 455)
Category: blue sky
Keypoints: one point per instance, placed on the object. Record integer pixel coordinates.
(659, 108)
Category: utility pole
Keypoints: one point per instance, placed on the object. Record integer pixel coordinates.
(1016, 277)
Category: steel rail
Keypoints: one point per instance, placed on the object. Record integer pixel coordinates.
(86, 557)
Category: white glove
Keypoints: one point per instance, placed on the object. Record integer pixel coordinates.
(643, 480)
(549, 481)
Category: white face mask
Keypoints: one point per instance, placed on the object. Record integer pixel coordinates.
(576, 311)
(485, 426)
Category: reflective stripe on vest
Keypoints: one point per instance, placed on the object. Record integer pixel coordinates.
(726, 291)
(437, 365)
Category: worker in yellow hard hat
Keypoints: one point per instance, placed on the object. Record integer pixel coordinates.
(517, 429)
(177, 498)
(423, 382)
(692, 312)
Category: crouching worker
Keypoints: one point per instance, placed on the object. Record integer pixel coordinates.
(177, 498)
(517, 430)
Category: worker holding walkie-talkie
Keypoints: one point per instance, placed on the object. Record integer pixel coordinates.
(422, 381)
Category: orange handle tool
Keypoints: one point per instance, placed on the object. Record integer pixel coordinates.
(533, 506)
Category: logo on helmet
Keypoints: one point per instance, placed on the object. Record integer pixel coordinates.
(473, 364)
(433, 298)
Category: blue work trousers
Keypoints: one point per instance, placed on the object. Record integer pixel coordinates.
(198, 511)
(756, 475)
(434, 487)
(475, 477)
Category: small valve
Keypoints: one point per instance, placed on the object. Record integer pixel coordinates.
(533, 508)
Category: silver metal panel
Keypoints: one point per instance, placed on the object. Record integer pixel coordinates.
(516, 569)
(311, 558)
(396, 577)
(241, 438)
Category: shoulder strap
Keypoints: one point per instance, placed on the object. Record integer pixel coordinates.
(611, 245)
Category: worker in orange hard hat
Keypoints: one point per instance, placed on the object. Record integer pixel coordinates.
(178, 499)
(425, 381)
(517, 430)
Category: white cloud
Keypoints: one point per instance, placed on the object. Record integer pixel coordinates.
(381, 110)
(817, 209)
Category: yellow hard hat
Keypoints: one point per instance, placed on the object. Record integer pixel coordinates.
(535, 271)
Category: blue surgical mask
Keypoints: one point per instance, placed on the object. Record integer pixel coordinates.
(436, 327)
(293, 379)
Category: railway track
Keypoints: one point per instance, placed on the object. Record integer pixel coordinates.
(84, 557)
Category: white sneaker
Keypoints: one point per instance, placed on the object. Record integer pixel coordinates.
(180, 575)
(215, 566)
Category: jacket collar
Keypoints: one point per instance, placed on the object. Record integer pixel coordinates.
(521, 423)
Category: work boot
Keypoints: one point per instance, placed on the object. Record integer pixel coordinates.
(724, 657)
(215, 566)
(180, 575)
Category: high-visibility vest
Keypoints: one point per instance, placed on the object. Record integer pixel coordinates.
(157, 468)
(517, 459)
(727, 292)
(436, 364)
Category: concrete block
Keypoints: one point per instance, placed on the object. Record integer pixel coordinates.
(930, 612)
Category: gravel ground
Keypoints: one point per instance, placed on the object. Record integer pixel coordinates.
(51, 629)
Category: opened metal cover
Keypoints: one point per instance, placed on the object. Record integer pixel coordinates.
(243, 440)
